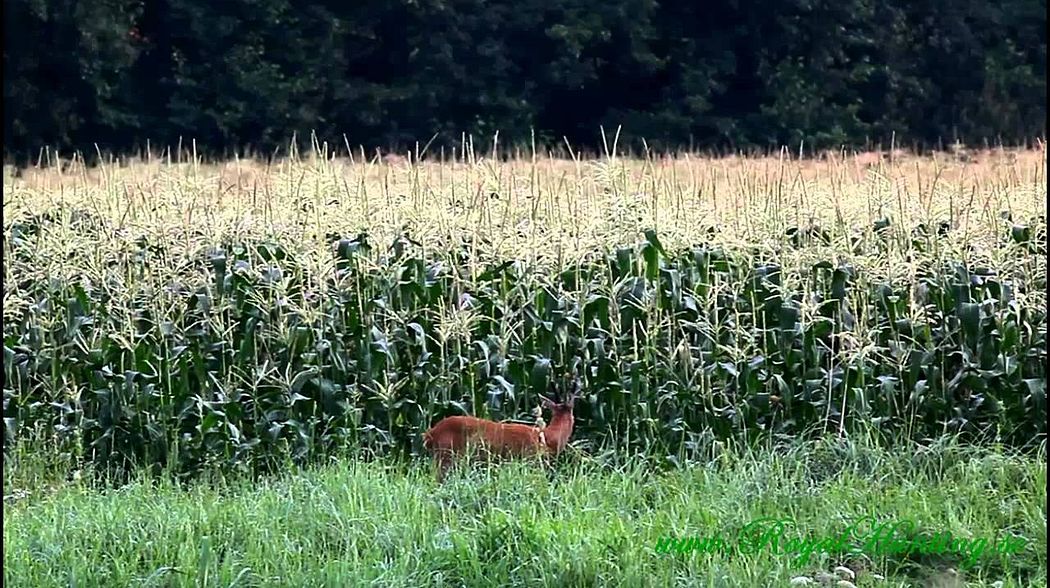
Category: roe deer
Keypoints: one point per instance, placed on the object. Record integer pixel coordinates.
(454, 436)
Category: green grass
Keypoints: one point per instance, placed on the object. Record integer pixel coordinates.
(352, 523)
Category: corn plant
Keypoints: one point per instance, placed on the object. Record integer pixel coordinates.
(328, 306)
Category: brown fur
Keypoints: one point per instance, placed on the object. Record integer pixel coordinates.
(459, 435)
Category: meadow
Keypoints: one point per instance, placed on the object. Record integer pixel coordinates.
(219, 373)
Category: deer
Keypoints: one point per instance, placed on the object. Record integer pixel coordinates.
(454, 436)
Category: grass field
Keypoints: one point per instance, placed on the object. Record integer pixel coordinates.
(355, 524)
(193, 352)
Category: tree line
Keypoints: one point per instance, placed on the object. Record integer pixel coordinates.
(737, 74)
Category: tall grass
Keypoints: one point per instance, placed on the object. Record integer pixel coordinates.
(356, 523)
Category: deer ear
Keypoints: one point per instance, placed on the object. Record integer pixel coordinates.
(546, 402)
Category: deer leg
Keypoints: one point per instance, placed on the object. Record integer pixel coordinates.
(444, 464)
(547, 462)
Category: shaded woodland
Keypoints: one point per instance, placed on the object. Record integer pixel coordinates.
(743, 74)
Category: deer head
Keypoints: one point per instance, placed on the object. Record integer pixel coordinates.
(559, 430)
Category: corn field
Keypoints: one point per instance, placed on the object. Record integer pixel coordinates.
(183, 315)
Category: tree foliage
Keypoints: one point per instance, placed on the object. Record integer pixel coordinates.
(386, 74)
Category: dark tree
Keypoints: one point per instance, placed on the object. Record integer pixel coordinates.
(739, 74)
